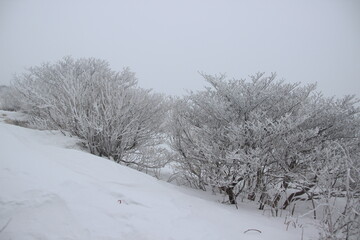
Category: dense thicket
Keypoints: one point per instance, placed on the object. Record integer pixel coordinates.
(85, 97)
(274, 142)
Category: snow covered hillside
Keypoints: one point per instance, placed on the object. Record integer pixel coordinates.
(49, 190)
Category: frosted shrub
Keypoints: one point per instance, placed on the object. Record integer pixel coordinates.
(88, 99)
(278, 143)
(8, 99)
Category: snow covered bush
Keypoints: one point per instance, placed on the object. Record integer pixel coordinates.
(106, 108)
(271, 141)
(8, 99)
(226, 133)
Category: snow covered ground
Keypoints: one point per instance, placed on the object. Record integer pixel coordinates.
(49, 190)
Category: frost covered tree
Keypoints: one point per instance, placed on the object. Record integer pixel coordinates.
(260, 137)
(116, 118)
(224, 134)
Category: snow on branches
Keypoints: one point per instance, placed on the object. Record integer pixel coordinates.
(269, 140)
(85, 97)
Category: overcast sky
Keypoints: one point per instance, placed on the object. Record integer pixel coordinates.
(168, 42)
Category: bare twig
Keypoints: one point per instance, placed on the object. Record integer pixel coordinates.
(3, 228)
(252, 229)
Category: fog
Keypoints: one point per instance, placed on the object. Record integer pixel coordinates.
(167, 43)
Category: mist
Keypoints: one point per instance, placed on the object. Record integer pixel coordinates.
(167, 43)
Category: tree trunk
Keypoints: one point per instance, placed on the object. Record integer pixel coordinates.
(229, 191)
(293, 196)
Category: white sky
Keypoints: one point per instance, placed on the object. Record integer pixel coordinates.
(167, 42)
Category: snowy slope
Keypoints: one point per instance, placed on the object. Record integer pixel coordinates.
(50, 191)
